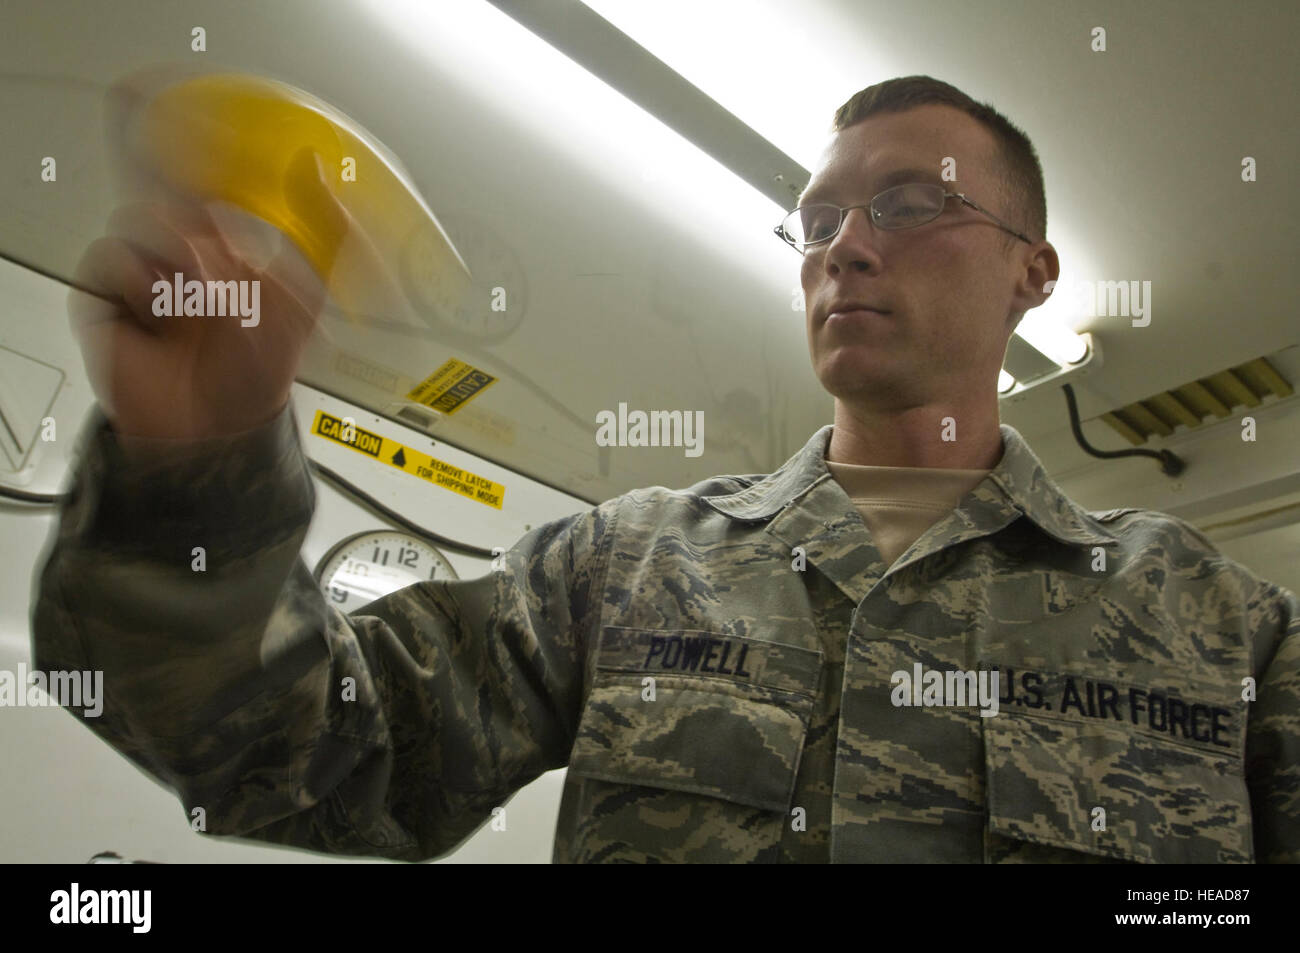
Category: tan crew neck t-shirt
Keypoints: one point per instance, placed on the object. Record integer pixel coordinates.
(898, 504)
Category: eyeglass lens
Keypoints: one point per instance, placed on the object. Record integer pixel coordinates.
(901, 207)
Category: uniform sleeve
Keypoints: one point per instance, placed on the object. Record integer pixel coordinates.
(391, 732)
(1273, 730)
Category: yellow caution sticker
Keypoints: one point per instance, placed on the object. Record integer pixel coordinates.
(408, 459)
(449, 387)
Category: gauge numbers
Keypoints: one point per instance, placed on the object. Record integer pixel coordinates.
(364, 567)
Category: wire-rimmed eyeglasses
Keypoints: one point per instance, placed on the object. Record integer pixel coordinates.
(903, 206)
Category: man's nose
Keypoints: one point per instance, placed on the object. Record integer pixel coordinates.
(856, 238)
(856, 218)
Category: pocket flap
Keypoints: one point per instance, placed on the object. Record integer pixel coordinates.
(725, 715)
(1164, 802)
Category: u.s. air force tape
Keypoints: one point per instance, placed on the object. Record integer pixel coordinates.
(1168, 712)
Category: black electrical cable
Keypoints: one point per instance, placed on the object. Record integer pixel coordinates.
(394, 517)
(1170, 463)
(361, 496)
(24, 497)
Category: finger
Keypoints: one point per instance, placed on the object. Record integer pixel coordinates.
(121, 281)
(158, 234)
(111, 331)
(193, 217)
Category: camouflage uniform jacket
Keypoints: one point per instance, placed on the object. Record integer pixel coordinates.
(716, 667)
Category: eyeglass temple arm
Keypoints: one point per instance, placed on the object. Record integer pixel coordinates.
(779, 231)
(1001, 224)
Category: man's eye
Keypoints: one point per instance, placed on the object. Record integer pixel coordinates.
(821, 224)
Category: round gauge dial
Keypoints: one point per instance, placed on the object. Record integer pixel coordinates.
(364, 567)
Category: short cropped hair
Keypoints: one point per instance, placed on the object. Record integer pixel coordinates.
(1019, 172)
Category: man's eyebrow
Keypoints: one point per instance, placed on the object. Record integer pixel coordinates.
(896, 177)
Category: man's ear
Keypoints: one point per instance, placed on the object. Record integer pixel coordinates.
(1042, 268)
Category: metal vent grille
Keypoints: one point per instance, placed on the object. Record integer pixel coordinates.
(1190, 405)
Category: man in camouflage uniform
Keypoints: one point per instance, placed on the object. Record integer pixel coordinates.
(742, 670)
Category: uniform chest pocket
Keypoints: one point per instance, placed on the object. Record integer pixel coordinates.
(704, 713)
(1164, 801)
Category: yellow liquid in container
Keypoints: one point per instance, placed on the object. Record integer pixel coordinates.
(250, 141)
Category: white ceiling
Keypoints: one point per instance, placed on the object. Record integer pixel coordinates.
(627, 300)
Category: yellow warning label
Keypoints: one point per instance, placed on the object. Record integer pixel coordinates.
(408, 459)
(450, 386)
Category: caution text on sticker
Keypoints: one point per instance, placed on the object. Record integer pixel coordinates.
(449, 387)
(349, 435)
(409, 460)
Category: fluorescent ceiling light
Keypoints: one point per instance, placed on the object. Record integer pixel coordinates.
(605, 135)
(1049, 335)
(741, 53)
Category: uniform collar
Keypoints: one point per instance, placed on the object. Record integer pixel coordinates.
(1017, 485)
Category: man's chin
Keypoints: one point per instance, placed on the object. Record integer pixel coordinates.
(850, 380)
